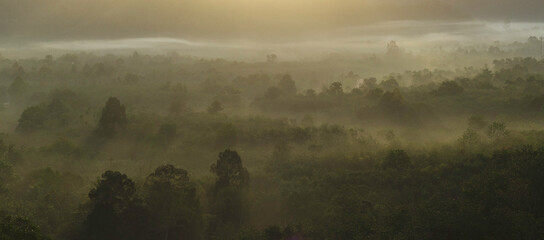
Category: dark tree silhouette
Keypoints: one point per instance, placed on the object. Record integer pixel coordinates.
(393, 49)
(113, 118)
(173, 204)
(229, 171)
(228, 200)
(32, 119)
(389, 84)
(335, 89)
(41, 117)
(449, 88)
(392, 101)
(57, 113)
(115, 210)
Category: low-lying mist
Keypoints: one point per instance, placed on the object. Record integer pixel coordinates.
(271, 120)
(427, 38)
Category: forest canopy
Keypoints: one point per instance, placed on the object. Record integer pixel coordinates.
(271, 120)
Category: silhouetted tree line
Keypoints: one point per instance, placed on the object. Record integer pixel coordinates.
(311, 178)
(167, 205)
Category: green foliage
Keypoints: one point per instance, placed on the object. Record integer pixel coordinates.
(9, 154)
(57, 111)
(392, 101)
(115, 211)
(476, 197)
(470, 139)
(228, 195)
(229, 171)
(55, 115)
(397, 159)
(173, 206)
(49, 198)
(8, 157)
(113, 189)
(375, 93)
(323, 161)
(497, 130)
(6, 175)
(449, 88)
(32, 119)
(17, 228)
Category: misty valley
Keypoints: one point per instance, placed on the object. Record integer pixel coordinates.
(395, 145)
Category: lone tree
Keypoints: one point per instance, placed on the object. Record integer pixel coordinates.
(173, 204)
(228, 196)
(393, 49)
(229, 171)
(113, 118)
(335, 89)
(115, 210)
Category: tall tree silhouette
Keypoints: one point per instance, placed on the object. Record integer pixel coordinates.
(115, 210)
(229, 200)
(113, 118)
(173, 204)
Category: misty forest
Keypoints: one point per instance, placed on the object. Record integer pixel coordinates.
(426, 121)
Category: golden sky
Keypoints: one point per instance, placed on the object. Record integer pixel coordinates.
(218, 19)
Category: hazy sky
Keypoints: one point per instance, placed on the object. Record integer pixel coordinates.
(81, 19)
(272, 21)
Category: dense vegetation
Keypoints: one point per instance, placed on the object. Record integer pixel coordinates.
(172, 147)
